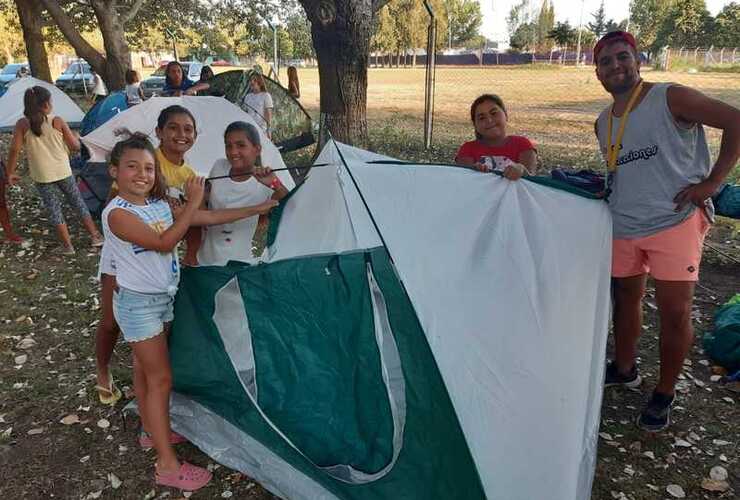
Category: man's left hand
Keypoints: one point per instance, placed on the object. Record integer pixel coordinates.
(697, 194)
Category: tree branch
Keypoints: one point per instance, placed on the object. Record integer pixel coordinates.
(67, 27)
(132, 12)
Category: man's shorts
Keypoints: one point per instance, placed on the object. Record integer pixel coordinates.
(673, 254)
(141, 316)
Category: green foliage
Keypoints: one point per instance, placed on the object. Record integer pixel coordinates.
(464, 20)
(647, 17)
(687, 24)
(299, 30)
(545, 23)
(518, 16)
(563, 34)
(524, 38)
(11, 37)
(598, 26)
(727, 26)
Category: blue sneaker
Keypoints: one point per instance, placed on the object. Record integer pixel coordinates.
(657, 413)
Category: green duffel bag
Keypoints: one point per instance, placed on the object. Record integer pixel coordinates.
(722, 344)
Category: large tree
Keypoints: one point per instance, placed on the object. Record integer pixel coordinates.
(687, 24)
(545, 23)
(341, 31)
(118, 21)
(111, 18)
(647, 16)
(464, 19)
(598, 25)
(32, 24)
(727, 26)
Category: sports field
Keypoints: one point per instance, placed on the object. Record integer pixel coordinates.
(554, 106)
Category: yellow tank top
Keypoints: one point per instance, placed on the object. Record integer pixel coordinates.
(48, 156)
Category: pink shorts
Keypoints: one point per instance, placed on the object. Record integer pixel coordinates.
(673, 254)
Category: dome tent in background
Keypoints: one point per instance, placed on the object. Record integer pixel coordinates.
(212, 116)
(11, 103)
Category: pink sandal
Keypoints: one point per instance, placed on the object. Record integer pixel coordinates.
(147, 443)
(188, 478)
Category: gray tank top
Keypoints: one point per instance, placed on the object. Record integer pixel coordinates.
(658, 158)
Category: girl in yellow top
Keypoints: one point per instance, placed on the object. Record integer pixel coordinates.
(176, 132)
(47, 140)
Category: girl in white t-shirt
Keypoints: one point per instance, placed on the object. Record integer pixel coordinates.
(258, 103)
(248, 184)
(134, 92)
(142, 235)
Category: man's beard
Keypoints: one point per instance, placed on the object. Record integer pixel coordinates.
(627, 85)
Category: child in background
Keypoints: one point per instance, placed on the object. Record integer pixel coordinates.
(258, 103)
(99, 90)
(10, 235)
(142, 234)
(493, 149)
(134, 92)
(47, 140)
(294, 87)
(249, 184)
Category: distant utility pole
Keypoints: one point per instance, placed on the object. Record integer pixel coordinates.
(580, 28)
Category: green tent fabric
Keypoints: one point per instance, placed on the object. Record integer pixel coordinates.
(723, 342)
(315, 391)
(291, 125)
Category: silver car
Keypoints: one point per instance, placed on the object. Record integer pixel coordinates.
(10, 72)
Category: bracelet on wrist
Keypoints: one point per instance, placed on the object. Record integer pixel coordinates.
(275, 184)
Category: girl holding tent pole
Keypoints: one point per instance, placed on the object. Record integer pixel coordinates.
(142, 234)
(247, 183)
(177, 132)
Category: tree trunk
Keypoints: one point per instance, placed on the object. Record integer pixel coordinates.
(341, 31)
(111, 67)
(118, 57)
(29, 13)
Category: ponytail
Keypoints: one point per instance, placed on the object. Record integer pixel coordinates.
(33, 100)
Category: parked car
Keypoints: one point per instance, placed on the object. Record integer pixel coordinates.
(10, 72)
(155, 83)
(76, 78)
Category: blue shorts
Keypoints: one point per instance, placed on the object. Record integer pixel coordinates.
(141, 316)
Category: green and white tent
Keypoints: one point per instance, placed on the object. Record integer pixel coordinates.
(414, 332)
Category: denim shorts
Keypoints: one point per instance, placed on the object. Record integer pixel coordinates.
(141, 316)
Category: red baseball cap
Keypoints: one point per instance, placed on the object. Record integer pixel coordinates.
(612, 37)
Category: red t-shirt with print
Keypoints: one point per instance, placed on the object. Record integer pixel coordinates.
(512, 149)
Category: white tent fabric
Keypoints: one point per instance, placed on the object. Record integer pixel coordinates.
(510, 281)
(11, 103)
(212, 116)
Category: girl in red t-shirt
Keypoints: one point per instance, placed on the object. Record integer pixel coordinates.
(514, 155)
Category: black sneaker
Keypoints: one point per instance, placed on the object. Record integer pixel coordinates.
(657, 413)
(632, 380)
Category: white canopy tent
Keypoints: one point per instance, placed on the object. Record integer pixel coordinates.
(11, 103)
(212, 116)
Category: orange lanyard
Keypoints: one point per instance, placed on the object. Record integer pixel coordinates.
(612, 151)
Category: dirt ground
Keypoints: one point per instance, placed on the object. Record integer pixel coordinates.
(53, 302)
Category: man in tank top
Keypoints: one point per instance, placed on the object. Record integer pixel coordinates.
(661, 179)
